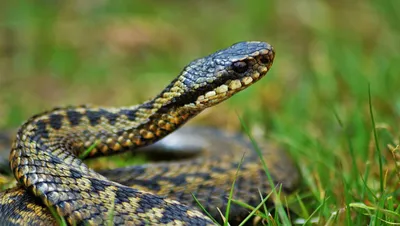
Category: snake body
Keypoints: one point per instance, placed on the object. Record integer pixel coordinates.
(46, 155)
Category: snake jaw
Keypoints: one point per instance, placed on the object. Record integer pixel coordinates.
(210, 80)
(225, 91)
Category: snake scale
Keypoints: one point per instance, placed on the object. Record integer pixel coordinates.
(45, 155)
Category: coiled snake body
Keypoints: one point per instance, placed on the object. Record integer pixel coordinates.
(45, 154)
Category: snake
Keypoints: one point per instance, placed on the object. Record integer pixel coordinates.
(48, 151)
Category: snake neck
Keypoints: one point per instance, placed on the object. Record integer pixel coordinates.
(106, 131)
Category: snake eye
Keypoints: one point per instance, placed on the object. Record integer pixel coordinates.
(240, 67)
(264, 59)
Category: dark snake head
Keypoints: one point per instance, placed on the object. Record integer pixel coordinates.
(214, 78)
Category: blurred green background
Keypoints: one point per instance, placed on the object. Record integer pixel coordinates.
(314, 101)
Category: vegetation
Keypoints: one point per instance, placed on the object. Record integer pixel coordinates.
(331, 98)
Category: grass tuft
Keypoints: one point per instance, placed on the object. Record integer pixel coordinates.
(278, 205)
(228, 206)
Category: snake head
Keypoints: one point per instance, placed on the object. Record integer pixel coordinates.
(214, 78)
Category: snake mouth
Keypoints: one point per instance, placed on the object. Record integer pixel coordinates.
(231, 86)
(217, 91)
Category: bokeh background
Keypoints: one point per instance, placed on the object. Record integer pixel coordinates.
(314, 101)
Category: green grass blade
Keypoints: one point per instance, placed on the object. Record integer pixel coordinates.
(60, 220)
(262, 198)
(253, 212)
(204, 209)
(355, 171)
(307, 222)
(347, 199)
(84, 154)
(376, 140)
(302, 207)
(368, 209)
(366, 188)
(228, 206)
(281, 212)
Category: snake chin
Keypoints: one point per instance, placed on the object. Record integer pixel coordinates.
(229, 88)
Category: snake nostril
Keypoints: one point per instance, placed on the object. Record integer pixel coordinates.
(240, 67)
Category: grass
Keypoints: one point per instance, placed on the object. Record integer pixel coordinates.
(230, 197)
(376, 142)
(278, 205)
(229, 203)
(59, 219)
(331, 99)
(84, 154)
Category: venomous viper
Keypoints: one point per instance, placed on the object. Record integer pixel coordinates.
(45, 154)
